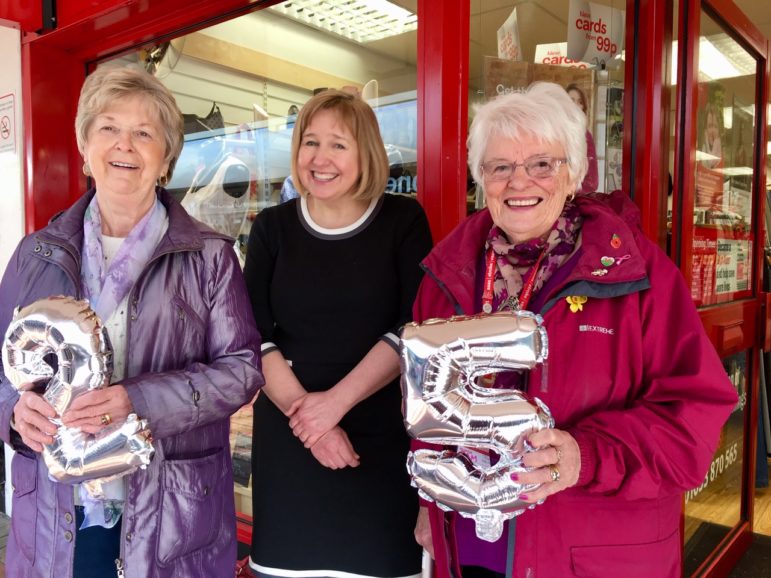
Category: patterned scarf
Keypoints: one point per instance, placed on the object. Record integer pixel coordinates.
(105, 290)
(516, 261)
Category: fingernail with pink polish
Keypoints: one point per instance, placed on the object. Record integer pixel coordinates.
(515, 477)
(524, 497)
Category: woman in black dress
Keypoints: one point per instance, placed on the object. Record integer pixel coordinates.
(332, 277)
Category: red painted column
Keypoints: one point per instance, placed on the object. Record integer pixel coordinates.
(443, 40)
(647, 179)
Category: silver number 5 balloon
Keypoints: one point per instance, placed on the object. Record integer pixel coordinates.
(70, 331)
(443, 404)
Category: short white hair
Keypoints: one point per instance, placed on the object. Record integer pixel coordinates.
(543, 111)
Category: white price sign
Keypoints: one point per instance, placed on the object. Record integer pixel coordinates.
(595, 32)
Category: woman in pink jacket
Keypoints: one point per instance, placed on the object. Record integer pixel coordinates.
(637, 392)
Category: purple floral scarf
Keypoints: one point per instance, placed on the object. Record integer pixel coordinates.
(105, 290)
(516, 261)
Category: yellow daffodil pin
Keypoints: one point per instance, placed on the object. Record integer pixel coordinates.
(576, 302)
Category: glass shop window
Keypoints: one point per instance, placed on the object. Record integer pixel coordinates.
(579, 46)
(241, 84)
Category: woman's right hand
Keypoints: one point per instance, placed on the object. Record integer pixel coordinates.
(423, 531)
(334, 450)
(31, 417)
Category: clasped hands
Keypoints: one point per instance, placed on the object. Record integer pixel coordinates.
(91, 412)
(313, 418)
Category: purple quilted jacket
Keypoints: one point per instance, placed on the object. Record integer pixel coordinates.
(192, 360)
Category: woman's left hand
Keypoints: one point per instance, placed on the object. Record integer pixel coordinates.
(313, 415)
(557, 463)
(95, 410)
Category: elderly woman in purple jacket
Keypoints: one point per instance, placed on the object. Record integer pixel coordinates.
(637, 392)
(185, 351)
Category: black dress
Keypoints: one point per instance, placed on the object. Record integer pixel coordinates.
(324, 298)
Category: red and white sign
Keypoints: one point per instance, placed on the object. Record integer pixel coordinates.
(595, 32)
(7, 124)
(556, 54)
(508, 38)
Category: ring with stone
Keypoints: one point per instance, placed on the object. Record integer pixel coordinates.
(555, 473)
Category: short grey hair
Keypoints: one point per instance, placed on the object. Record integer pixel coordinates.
(109, 83)
(543, 111)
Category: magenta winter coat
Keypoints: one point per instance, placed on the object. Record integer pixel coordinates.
(192, 359)
(632, 376)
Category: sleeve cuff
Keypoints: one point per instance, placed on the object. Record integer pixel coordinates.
(588, 459)
(392, 340)
(267, 347)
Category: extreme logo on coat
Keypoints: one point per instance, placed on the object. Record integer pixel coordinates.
(597, 329)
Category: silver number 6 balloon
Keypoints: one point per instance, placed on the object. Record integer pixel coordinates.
(70, 330)
(441, 361)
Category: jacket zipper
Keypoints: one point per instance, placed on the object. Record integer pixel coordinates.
(120, 564)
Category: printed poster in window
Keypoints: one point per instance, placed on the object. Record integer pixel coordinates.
(732, 268)
(505, 76)
(703, 266)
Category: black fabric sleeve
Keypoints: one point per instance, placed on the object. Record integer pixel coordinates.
(261, 256)
(414, 246)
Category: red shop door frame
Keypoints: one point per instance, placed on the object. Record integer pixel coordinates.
(738, 325)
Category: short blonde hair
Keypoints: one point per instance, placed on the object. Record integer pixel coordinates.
(109, 83)
(360, 119)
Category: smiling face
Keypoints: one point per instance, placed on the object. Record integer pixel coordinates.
(328, 159)
(125, 149)
(525, 207)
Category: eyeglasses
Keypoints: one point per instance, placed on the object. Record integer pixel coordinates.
(535, 167)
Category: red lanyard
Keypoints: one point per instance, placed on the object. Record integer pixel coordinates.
(524, 295)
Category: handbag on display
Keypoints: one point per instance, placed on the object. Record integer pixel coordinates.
(212, 121)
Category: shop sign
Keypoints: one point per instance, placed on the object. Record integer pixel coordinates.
(508, 38)
(595, 32)
(7, 125)
(556, 54)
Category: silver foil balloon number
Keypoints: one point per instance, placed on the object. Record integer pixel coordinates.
(70, 331)
(442, 361)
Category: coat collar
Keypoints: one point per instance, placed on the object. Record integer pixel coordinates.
(453, 262)
(184, 232)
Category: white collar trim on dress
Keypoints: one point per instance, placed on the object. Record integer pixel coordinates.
(340, 230)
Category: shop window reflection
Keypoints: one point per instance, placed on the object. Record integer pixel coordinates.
(582, 49)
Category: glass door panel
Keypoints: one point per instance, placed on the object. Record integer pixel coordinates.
(723, 235)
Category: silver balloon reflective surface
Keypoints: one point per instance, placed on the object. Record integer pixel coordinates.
(442, 359)
(70, 331)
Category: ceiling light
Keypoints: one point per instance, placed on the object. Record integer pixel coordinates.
(719, 57)
(713, 64)
(358, 20)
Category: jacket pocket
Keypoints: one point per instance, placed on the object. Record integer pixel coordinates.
(185, 312)
(24, 504)
(191, 505)
(660, 559)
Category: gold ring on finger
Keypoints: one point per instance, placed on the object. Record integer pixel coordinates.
(555, 473)
(106, 419)
(559, 455)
